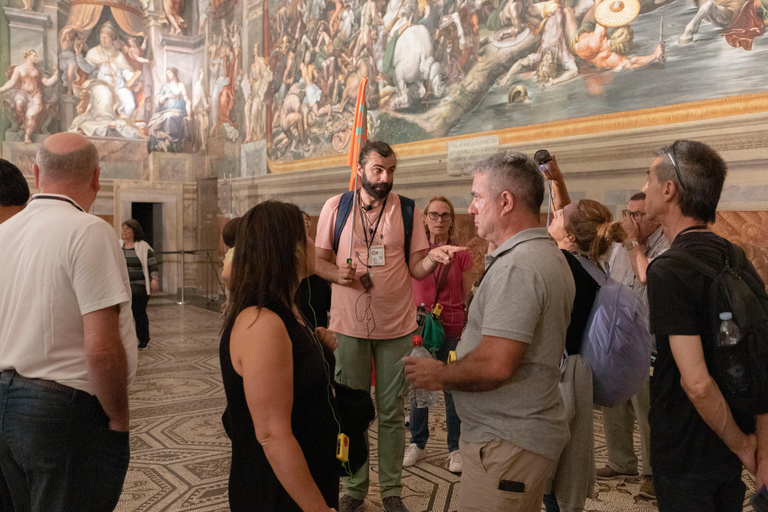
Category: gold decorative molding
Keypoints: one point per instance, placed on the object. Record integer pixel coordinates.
(644, 118)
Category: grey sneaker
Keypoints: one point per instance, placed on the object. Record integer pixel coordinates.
(349, 504)
(393, 504)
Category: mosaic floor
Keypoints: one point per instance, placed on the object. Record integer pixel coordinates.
(180, 453)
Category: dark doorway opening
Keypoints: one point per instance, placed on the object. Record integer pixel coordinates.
(150, 216)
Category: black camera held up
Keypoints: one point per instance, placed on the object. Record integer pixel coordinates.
(542, 159)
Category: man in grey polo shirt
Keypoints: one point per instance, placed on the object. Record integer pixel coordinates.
(505, 383)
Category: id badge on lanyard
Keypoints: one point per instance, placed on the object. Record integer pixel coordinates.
(376, 256)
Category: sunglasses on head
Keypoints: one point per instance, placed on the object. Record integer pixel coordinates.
(673, 159)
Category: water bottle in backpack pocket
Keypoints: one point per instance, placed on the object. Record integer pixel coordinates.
(740, 365)
(733, 376)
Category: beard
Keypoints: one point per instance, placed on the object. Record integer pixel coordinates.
(377, 191)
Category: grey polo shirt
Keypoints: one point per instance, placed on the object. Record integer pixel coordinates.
(526, 296)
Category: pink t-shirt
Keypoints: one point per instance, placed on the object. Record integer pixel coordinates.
(450, 297)
(388, 312)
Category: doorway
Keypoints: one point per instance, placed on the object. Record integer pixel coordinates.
(150, 216)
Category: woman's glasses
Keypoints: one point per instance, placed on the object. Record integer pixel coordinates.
(445, 216)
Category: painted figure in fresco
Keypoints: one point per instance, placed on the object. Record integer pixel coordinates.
(169, 126)
(258, 81)
(224, 78)
(369, 20)
(200, 106)
(513, 15)
(413, 63)
(106, 63)
(591, 43)
(553, 52)
(610, 53)
(70, 46)
(741, 18)
(172, 11)
(291, 121)
(28, 5)
(135, 53)
(26, 94)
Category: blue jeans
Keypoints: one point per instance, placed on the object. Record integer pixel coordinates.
(420, 416)
(681, 492)
(56, 452)
(550, 502)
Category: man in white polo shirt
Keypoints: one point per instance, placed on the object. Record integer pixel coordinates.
(67, 342)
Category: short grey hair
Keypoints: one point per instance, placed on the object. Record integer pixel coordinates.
(75, 167)
(703, 173)
(516, 173)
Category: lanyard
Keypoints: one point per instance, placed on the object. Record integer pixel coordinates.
(364, 224)
(58, 198)
(691, 229)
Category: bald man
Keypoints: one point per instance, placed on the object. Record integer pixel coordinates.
(67, 342)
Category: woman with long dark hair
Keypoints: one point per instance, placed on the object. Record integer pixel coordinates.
(277, 372)
(143, 274)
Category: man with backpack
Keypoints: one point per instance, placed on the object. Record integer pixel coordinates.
(372, 309)
(700, 439)
(628, 265)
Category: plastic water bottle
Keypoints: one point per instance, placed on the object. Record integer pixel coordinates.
(421, 397)
(737, 380)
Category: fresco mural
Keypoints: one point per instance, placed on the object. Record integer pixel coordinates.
(441, 68)
(279, 78)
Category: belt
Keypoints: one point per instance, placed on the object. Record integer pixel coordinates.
(11, 375)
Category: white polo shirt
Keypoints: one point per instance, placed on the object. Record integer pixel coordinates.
(59, 263)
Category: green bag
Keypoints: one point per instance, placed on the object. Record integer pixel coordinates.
(434, 334)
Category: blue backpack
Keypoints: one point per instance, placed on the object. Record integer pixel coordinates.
(407, 207)
(616, 341)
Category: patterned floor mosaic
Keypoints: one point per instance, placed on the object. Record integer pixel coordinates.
(180, 453)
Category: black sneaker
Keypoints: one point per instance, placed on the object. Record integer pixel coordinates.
(394, 504)
(349, 504)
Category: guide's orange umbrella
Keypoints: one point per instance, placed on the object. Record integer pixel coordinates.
(359, 133)
(359, 136)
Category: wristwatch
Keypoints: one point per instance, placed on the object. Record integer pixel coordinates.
(629, 245)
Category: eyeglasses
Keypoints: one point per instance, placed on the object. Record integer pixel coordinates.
(635, 215)
(671, 155)
(445, 216)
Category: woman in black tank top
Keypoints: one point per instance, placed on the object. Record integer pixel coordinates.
(277, 373)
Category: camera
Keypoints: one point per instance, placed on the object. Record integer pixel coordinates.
(366, 281)
(542, 159)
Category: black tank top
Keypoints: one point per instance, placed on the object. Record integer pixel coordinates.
(252, 483)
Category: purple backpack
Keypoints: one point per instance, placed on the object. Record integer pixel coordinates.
(616, 341)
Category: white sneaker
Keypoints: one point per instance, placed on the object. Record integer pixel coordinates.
(413, 454)
(454, 462)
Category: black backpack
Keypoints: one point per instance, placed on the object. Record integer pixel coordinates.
(736, 290)
(407, 207)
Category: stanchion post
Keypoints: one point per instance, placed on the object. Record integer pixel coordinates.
(182, 302)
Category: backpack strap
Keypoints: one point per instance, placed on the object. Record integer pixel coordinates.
(345, 207)
(687, 259)
(407, 207)
(598, 275)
